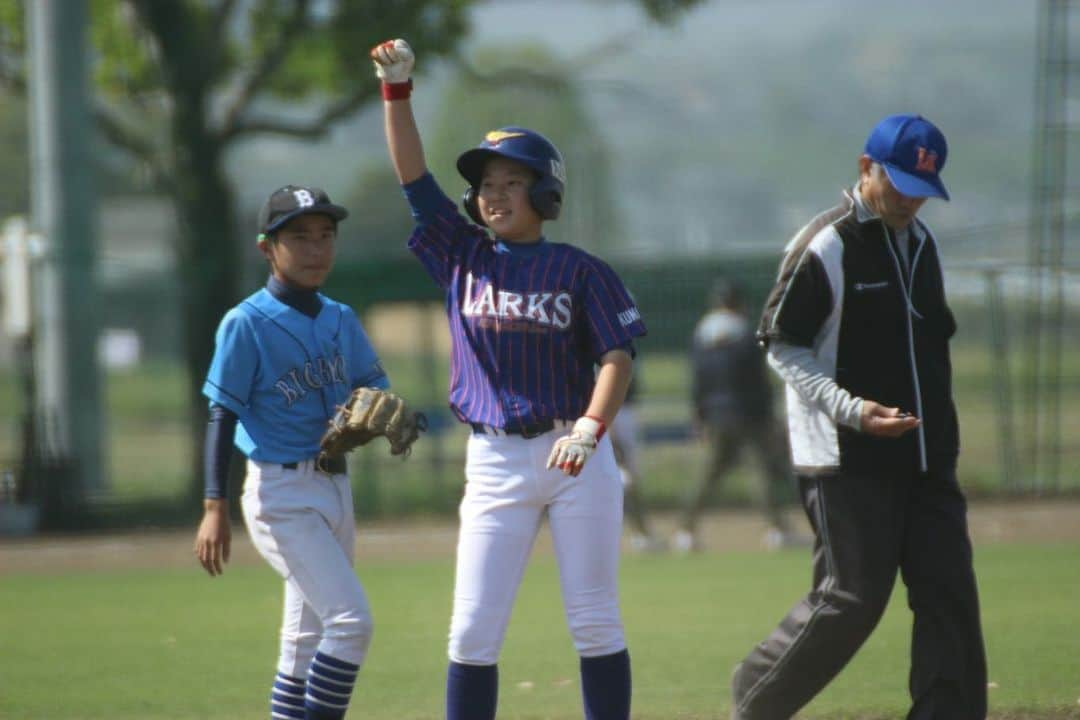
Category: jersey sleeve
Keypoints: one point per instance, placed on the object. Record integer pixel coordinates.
(217, 451)
(442, 235)
(610, 316)
(365, 369)
(426, 199)
(231, 377)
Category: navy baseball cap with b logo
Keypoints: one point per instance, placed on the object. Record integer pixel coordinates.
(293, 200)
(912, 151)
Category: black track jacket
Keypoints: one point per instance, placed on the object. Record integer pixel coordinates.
(882, 333)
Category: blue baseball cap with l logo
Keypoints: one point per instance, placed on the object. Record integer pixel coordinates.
(912, 150)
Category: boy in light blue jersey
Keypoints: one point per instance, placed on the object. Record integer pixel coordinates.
(285, 358)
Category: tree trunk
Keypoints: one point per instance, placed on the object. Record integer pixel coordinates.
(208, 255)
(209, 263)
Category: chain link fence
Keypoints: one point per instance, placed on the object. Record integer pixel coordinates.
(1016, 365)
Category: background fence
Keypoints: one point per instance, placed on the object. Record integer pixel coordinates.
(1017, 407)
(680, 171)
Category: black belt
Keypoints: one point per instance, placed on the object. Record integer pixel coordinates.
(535, 429)
(329, 464)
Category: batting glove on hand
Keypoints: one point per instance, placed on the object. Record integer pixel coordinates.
(393, 60)
(570, 453)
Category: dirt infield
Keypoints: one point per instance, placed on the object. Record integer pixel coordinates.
(991, 522)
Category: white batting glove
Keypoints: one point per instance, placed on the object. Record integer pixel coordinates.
(570, 452)
(394, 61)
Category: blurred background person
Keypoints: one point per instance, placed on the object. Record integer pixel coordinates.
(733, 407)
(625, 437)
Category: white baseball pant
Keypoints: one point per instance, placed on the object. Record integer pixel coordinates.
(301, 521)
(508, 490)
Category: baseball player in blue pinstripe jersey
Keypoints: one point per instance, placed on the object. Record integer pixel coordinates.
(542, 348)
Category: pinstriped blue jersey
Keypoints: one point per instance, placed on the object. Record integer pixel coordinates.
(528, 323)
(283, 374)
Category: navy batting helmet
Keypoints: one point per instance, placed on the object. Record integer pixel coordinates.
(527, 147)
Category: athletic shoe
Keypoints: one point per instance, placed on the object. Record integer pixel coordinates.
(647, 544)
(734, 708)
(684, 542)
(777, 539)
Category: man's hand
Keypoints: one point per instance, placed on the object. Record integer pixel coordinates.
(881, 421)
(570, 452)
(213, 541)
(393, 61)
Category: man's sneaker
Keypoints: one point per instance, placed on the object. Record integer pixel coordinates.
(734, 707)
(684, 542)
(647, 544)
(777, 539)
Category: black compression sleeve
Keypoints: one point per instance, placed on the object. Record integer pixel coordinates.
(217, 452)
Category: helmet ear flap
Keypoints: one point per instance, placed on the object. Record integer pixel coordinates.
(472, 206)
(545, 196)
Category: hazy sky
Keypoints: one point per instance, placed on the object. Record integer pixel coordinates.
(745, 102)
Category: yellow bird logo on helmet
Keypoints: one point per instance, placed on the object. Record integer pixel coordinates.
(495, 137)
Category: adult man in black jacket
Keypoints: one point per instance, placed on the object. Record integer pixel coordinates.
(858, 327)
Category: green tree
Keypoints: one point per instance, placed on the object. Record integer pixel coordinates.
(14, 156)
(180, 82)
(523, 85)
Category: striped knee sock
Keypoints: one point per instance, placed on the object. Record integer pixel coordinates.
(287, 698)
(329, 687)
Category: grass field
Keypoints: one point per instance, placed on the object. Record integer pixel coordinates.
(91, 639)
(95, 627)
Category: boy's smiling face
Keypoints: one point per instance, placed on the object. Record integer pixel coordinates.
(503, 199)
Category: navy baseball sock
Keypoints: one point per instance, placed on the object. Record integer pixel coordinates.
(287, 697)
(329, 687)
(605, 686)
(472, 691)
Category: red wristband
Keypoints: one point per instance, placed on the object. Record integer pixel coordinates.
(603, 425)
(397, 91)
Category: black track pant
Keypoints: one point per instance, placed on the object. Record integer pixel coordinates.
(867, 527)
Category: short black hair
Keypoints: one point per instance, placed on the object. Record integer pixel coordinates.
(726, 293)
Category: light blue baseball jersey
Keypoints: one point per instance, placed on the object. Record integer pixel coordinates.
(284, 373)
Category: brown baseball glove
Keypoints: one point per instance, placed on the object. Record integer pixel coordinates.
(369, 413)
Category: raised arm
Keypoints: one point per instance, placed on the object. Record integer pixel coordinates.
(393, 65)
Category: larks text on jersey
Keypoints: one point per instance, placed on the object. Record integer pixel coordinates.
(481, 299)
